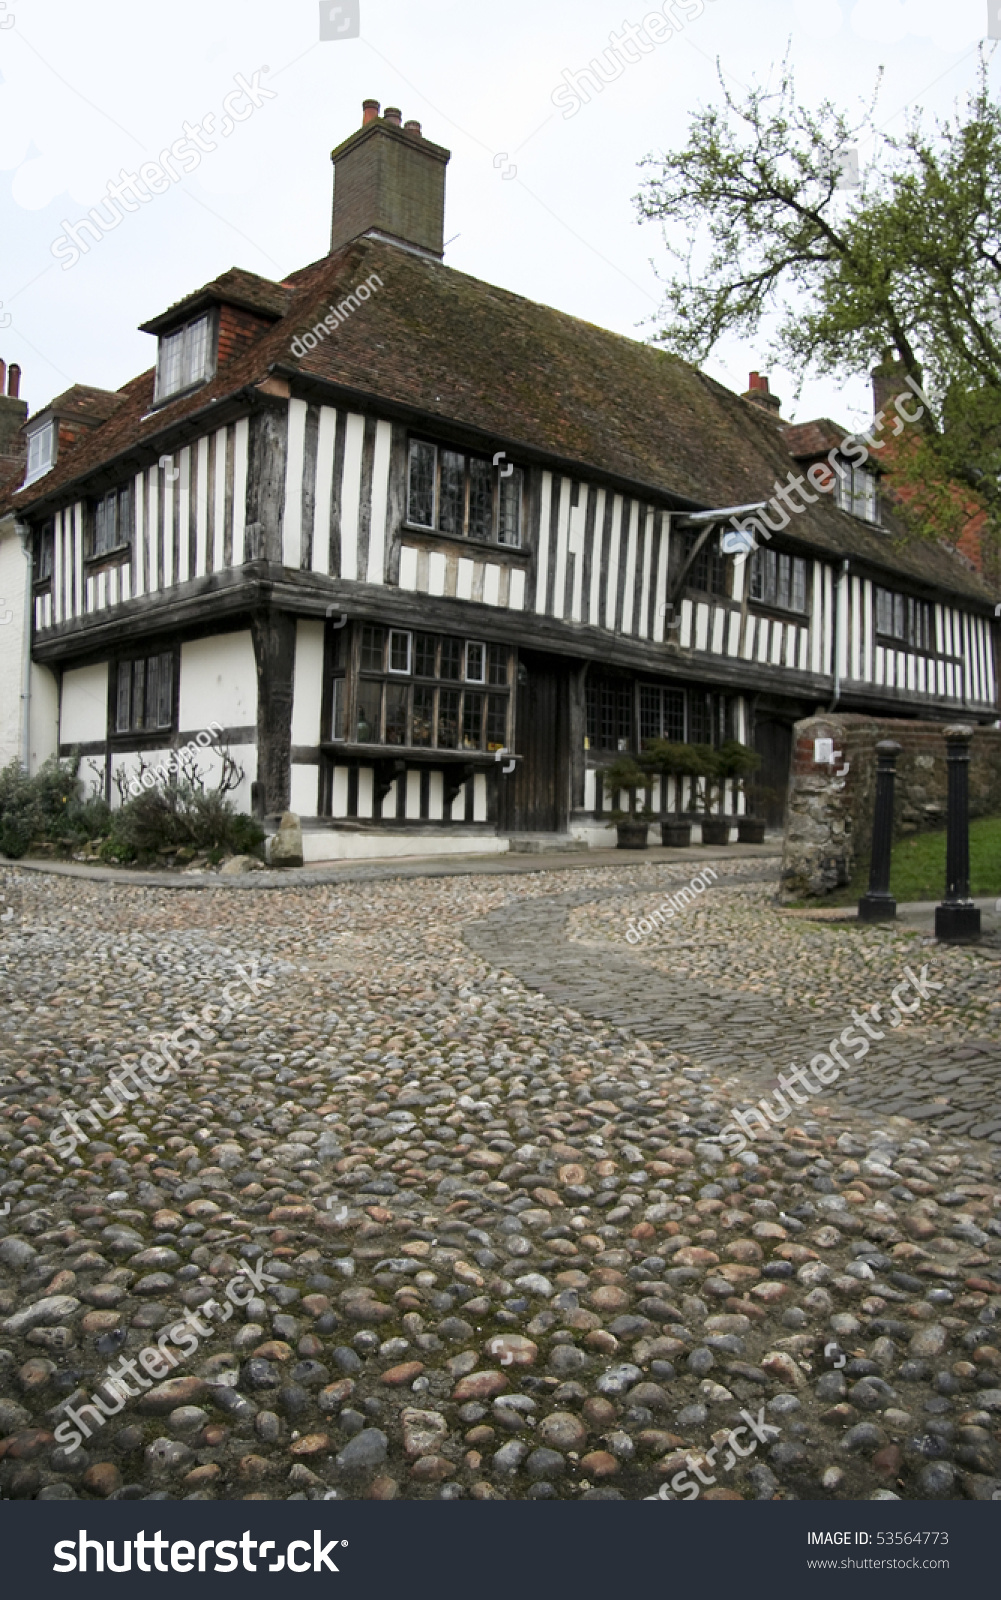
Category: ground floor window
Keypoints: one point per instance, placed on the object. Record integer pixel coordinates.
(420, 691)
(145, 698)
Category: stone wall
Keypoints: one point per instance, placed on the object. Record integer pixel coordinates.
(829, 818)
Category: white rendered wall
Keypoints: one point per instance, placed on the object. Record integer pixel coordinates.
(218, 682)
(13, 598)
(308, 688)
(43, 716)
(83, 717)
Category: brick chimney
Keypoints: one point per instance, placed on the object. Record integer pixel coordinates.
(389, 182)
(13, 415)
(758, 394)
(888, 379)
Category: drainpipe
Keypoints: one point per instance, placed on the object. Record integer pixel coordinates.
(24, 533)
(837, 636)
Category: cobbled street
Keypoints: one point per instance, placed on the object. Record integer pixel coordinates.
(429, 1203)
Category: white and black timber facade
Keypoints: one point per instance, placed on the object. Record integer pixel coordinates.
(382, 523)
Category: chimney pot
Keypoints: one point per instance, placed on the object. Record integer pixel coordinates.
(756, 382)
(412, 127)
(14, 380)
(3, 374)
(369, 111)
(394, 115)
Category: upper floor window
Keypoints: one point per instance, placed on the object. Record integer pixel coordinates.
(855, 491)
(464, 496)
(41, 451)
(112, 525)
(778, 580)
(708, 571)
(44, 552)
(898, 616)
(185, 357)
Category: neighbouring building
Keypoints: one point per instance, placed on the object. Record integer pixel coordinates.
(397, 530)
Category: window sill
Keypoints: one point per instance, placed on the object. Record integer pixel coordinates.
(450, 541)
(757, 608)
(160, 402)
(117, 557)
(405, 752)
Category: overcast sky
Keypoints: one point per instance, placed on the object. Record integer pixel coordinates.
(538, 202)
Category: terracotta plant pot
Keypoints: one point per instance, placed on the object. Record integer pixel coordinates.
(675, 834)
(751, 830)
(632, 835)
(715, 830)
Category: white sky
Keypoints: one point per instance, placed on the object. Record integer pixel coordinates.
(89, 88)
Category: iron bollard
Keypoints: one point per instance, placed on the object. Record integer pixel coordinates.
(878, 904)
(957, 919)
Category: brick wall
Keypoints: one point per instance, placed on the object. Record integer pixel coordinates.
(829, 819)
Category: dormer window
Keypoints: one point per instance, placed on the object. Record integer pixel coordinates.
(41, 451)
(855, 492)
(185, 357)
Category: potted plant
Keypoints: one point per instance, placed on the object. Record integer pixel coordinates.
(632, 826)
(737, 761)
(675, 761)
(715, 828)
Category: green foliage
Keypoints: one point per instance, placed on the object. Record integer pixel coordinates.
(909, 262)
(50, 808)
(917, 866)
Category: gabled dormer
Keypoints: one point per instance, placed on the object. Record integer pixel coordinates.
(208, 328)
(54, 431)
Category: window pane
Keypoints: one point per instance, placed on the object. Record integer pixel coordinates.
(451, 658)
(124, 711)
(649, 713)
(674, 714)
(138, 693)
(164, 705)
(420, 500)
(424, 648)
(472, 720)
(509, 515)
(481, 499)
(497, 663)
(196, 342)
(475, 662)
(496, 721)
(784, 575)
(884, 611)
(152, 692)
(171, 354)
(898, 617)
(423, 715)
(448, 719)
(368, 728)
(46, 551)
(100, 521)
(124, 516)
(798, 598)
(451, 493)
(337, 720)
(399, 651)
(396, 713)
(373, 644)
(757, 575)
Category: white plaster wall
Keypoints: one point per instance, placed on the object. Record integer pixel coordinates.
(83, 716)
(218, 682)
(308, 689)
(43, 716)
(305, 787)
(13, 598)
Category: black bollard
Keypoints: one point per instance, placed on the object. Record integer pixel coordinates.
(878, 905)
(957, 920)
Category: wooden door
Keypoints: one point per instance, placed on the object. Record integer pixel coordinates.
(535, 797)
(773, 742)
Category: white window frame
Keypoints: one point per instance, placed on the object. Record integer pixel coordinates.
(43, 438)
(474, 644)
(195, 359)
(400, 633)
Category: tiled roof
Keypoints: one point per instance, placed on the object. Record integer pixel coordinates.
(234, 288)
(451, 347)
(85, 402)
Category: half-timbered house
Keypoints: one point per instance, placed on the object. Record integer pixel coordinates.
(431, 554)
